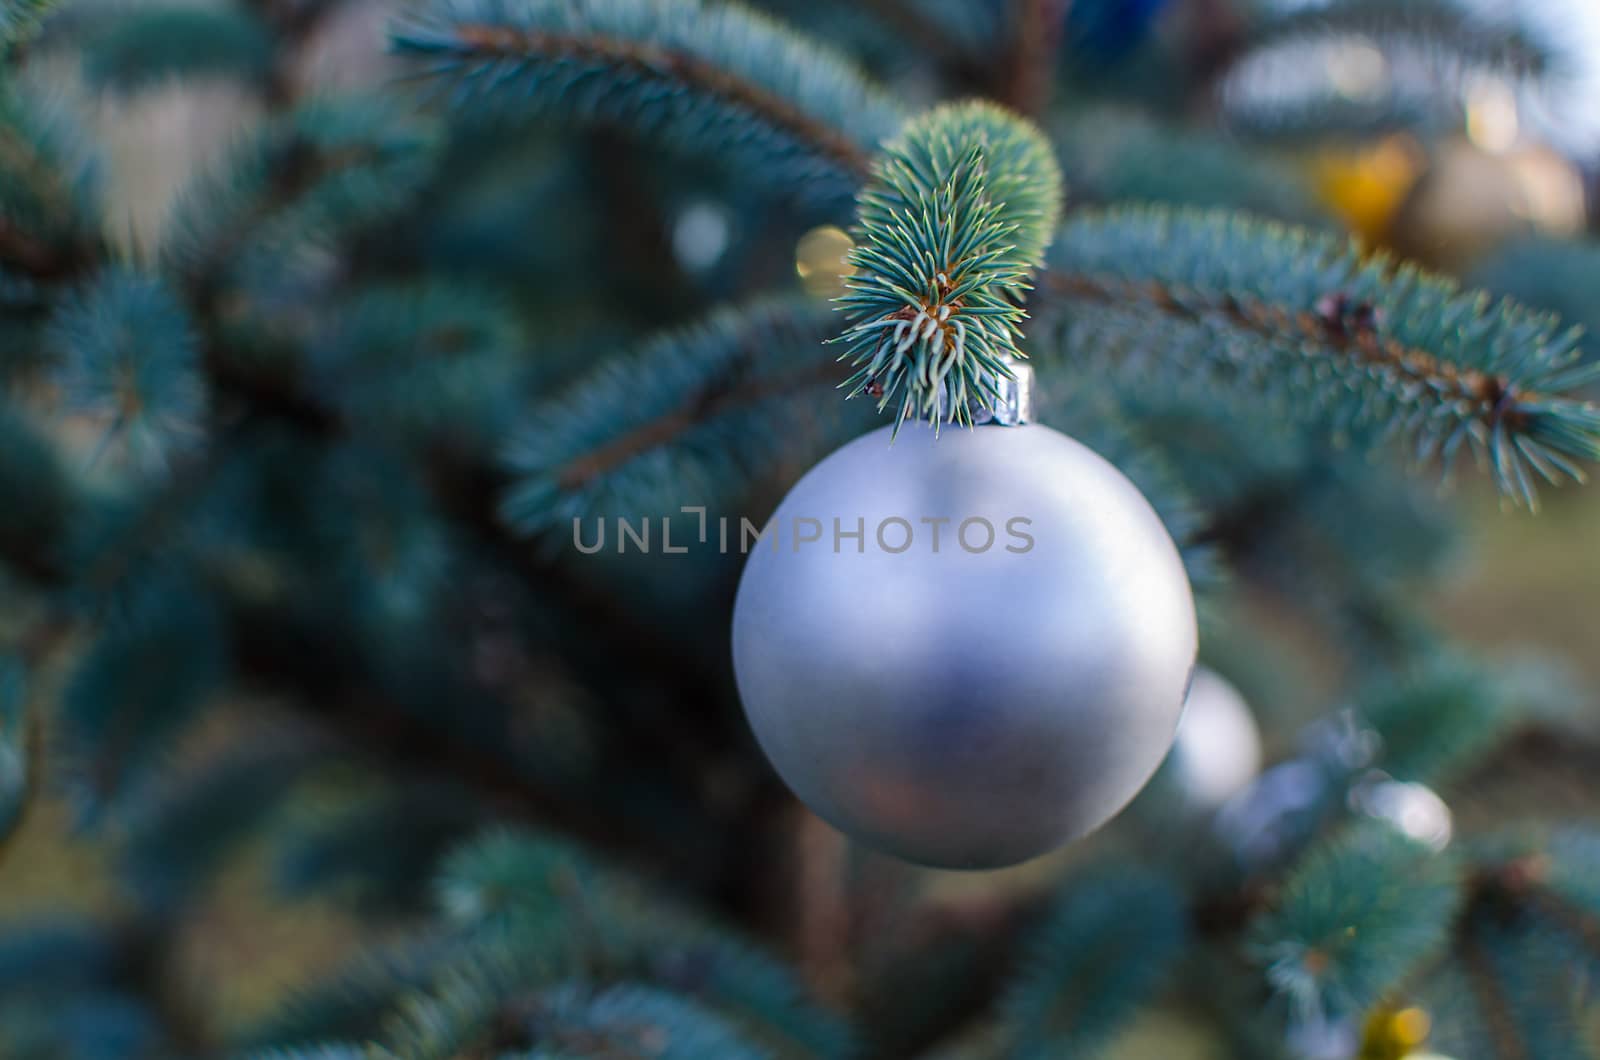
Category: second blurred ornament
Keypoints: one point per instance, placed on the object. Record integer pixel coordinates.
(1218, 749)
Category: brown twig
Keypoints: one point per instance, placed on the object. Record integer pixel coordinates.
(697, 410)
(1492, 1000)
(1036, 41)
(962, 62)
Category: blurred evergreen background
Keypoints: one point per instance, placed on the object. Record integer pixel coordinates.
(287, 314)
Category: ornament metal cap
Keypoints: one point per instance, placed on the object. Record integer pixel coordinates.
(1015, 406)
(1012, 408)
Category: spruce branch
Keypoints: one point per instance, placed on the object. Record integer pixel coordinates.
(1434, 49)
(421, 364)
(1113, 154)
(1441, 27)
(126, 51)
(1363, 342)
(131, 694)
(1354, 918)
(690, 408)
(309, 177)
(1550, 876)
(48, 212)
(39, 500)
(1438, 717)
(1495, 1007)
(1517, 953)
(547, 900)
(19, 19)
(1109, 942)
(177, 839)
(959, 212)
(19, 744)
(129, 362)
(715, 79)
(490, 1010)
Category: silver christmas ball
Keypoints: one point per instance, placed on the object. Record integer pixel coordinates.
(1413, 810)
(964, 650)
(1218, 749)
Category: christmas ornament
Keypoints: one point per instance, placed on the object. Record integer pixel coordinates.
(1217, 752)
(1392, 1034)
(1412, 809)
(820, 261)
(1314, 1036)
(965, 646)
(1275, 814)
(1366, 187)
(701, 233)
(1472, 200)
(1288, 803)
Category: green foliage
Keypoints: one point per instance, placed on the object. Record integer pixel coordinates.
(375, 852)
(713, 79)
(1445, 27)
(16, 737)
(1438, 46)
(139, 47)
(310, 180)
(52, 956)
(20, 18)
(1556, 275)
(295, 627)
(439, 364)
(959, 211)
(1353, 919)
(509, 875)
(353, 1003)
(48, 186)
(317, 1052)
(38, 499)
(565, 911)
(179, 836)
(383, 545)
(130, 364)
(1358, 343)
(131, 695)
(1437, 719)
(1113, 154)
(570, 1022)
(60, 996)
(1573, 860)
(1109, 943)
(1516, 997)
(532, 917)
(682, 419)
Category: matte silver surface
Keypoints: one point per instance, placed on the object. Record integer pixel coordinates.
(965, 709)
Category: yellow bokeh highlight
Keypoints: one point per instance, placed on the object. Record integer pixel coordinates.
(819, 261)
(1366, 187)
(1395, 1034)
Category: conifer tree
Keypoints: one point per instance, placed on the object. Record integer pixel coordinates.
(328, 736)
